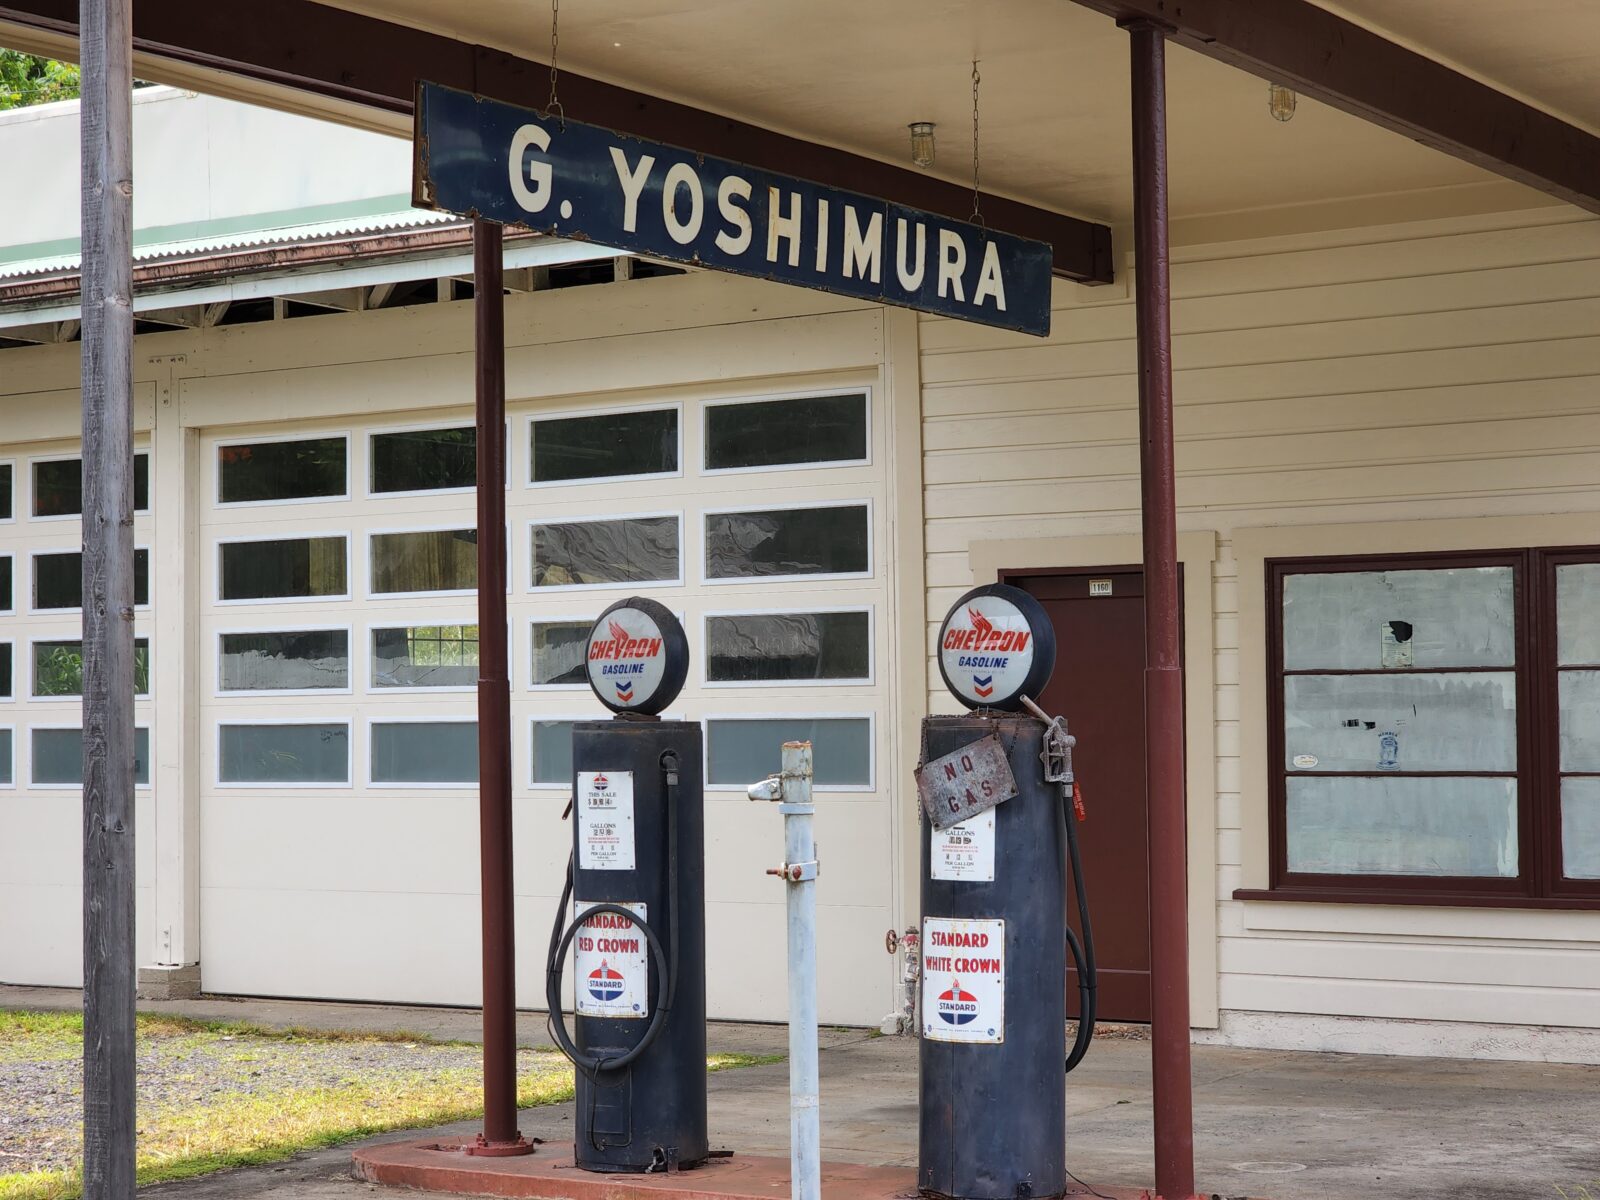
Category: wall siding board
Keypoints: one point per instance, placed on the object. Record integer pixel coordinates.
(1405, 373)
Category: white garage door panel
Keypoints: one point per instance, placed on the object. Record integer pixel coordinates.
(41, 839)
(395, 946)
(747, 973)
(341, 840)
(41, 933)
(744, 840)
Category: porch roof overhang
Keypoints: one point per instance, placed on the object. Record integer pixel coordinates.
(1394, 123)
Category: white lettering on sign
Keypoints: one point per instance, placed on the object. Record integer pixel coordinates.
(605, 820)
(964, 851)
(611, 963)
(987, 650)
(963, 980)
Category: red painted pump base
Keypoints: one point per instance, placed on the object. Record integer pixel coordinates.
(437, 1166)
(482, 1147)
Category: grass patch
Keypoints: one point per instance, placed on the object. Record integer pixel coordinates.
(238, 1128)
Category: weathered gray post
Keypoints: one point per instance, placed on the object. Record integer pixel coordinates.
(105, 34)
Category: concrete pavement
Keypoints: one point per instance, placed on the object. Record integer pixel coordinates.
(1282, 1124)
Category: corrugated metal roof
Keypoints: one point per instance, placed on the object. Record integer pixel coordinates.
(401, 220)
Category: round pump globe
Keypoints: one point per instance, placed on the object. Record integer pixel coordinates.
(996, 645)
(637, 657)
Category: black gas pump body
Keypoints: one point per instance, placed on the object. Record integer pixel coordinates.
(649, 1115)
(993, 1112)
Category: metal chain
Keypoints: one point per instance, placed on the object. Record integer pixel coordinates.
(554, 107)
(977, 213)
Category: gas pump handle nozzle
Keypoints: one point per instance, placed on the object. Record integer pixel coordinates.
(1058, 744)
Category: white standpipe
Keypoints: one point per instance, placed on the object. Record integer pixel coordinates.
(792, 789)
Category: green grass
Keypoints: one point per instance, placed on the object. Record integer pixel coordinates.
(236, 1129)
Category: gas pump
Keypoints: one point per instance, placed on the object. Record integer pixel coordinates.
(637, 871)
(997, 838)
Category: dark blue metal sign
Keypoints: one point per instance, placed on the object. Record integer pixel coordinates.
(482, 158)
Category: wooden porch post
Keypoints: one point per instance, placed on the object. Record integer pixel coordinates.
(1163, 700)
(108, 732)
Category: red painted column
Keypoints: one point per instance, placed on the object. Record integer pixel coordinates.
(1163, 697)
(500, 1134)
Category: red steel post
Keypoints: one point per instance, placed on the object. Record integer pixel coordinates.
(1163, 695)
(500, 1134)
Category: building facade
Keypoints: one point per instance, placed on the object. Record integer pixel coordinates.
(1388, 442)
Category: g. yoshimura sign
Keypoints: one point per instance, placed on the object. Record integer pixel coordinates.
(483, 158)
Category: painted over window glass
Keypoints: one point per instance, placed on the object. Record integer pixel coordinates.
(741, 751)
(606, 551)
(552, 752)
(423, 656)
(57, 757)
(8, 757)
(288, 753)
(560, 650)
(425, 752)
(764, 647)
(302, 660)
(788, 541)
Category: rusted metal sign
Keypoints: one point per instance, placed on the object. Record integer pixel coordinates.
(966, 782)
(484, 158)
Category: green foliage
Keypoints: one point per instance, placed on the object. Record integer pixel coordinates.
(27, 79)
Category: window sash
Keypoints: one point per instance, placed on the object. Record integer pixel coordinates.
(1539, 878)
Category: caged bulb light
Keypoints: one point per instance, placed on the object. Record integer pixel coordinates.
(1280, 101)
(922, 147)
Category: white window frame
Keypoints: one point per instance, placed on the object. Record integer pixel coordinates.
(425, 427)
(599, 713)
(150, 471)
(16, 493)
(774, 398)
(219, 693)
(219, 446)
(610, 410)
(556, 619)
(35, 698)
(150, 734)
(443, 594)
(808, 715)
(709, 580)
(388, 785)
(16, 759)
(296, 535)
(596, 518)
(78, 549)
(854, 681)
(426, 618)
(349, 763)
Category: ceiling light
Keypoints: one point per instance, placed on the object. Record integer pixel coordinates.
(922, 143)
(1280, 101)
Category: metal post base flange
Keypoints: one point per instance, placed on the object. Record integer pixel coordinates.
(483, 1148)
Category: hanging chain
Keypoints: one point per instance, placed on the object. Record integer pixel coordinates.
(977, 213)
(554, 107)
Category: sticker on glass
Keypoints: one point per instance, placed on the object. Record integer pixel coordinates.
(612, 963)
(605, 820)
(963, 980)
(1305, 761)
(964, 851)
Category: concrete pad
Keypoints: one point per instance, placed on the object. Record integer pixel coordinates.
(550, 1174)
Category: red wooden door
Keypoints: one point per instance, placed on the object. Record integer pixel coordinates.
(1099, 687)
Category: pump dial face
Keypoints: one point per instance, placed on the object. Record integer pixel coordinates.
(996, 645)
(638, 656)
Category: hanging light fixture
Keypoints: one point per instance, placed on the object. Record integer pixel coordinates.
(1280, 101)
(922, 148)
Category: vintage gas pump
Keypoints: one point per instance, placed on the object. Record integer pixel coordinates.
(638, 927)
(997, 837)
